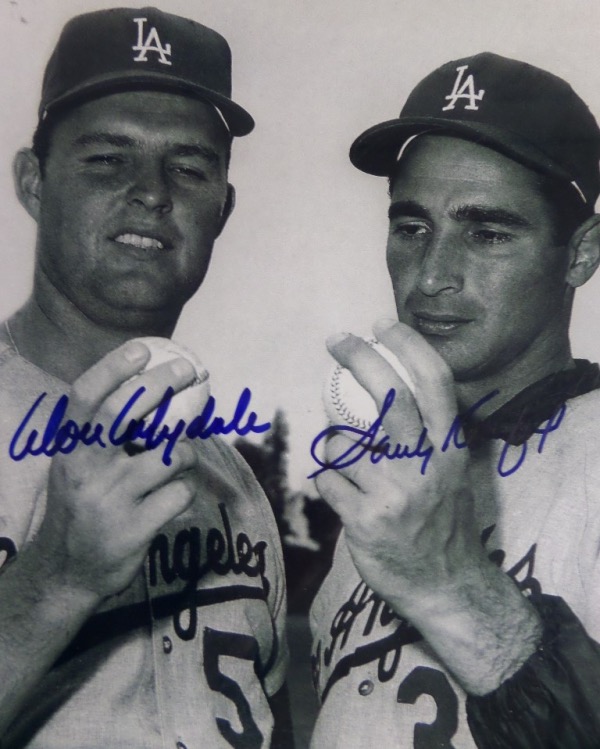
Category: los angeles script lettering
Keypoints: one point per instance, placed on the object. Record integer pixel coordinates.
(366, 629)
(191, 557)
(62, 435)
(378, 445)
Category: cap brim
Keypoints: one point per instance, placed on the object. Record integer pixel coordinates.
(376, 150)
(238, 120)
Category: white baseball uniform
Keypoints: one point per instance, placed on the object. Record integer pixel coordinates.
(381, 685)
(190, 652)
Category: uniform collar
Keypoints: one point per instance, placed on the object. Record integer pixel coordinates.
(516, 420)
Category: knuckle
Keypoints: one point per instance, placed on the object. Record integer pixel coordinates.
(187, 490)
(110, 408)
(322, 483)
(325, 487)
(81, 394)
(118, 403)
(182, 493)
(183, 458)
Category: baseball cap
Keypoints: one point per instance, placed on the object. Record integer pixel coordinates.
(124, 49)
(519, 110)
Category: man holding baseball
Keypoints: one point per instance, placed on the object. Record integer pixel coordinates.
(142, 600)
(462, 608)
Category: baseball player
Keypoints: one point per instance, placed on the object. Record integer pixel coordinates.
(462, 607)
(142, 604)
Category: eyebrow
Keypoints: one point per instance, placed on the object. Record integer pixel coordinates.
(105, 139)
(486, 215)
(407, 208)
(479, 214)
(204, 152)
(126, 141)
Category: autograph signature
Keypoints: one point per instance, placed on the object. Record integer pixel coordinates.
(62, 435)
(378, 446)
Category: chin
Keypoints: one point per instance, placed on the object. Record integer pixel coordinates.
(144, 297)
(132, 316)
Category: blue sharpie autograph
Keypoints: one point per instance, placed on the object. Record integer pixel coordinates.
(366, 442)
(62, 435)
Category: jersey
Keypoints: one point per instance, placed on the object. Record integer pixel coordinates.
(538, 508)
(190, 652)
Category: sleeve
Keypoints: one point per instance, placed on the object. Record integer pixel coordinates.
(276, 668)
(553, 700)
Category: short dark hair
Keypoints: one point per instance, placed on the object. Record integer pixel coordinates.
(568, 208)
(42, 137)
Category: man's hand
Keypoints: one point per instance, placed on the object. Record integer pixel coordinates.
(104, 506)
(103, 509)
(413, 537)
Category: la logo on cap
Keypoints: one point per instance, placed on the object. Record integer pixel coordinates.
(152, 43)
(464, 89)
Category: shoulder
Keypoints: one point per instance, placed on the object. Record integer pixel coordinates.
(19, 378)
(585, 408)
(7, 351)
(580, 427)
(225, 475)
(232, 468)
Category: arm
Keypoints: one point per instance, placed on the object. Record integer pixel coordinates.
(413, 537)
(100, 517)
(553, 700)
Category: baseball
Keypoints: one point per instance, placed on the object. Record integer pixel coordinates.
(347, 403)
(187, 403)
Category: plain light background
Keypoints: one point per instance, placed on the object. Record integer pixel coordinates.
(303, 254)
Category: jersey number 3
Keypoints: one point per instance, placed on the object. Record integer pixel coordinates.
(423, 680)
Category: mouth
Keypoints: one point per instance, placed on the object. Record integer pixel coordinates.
(433, 324)
(141, 241)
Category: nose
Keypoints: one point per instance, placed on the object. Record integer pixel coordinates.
(440, 271)
(150, 189)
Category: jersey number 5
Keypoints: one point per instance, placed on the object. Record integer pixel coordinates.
(217, 644)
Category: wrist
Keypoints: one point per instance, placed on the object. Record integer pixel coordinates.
(458, 584)
(480, 625)
(54, 586)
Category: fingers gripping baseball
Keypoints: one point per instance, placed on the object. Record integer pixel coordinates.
(101, 392)
(377, 376)
(427, 401)
(103, 506)
(93, 387)
(409, 531)
(432, 378)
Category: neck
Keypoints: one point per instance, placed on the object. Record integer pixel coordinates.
(512, 379)
(57, 337)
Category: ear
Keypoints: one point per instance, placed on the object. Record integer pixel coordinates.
(28, 181)
(227, 208)
(584, 250)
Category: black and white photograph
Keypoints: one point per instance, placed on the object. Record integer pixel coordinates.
(300, 395)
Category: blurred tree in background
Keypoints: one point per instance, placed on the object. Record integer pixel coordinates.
(307, 525)
(276, 482)
(268, 462)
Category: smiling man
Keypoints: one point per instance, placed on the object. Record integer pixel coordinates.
(142, 605)
(462, 607)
